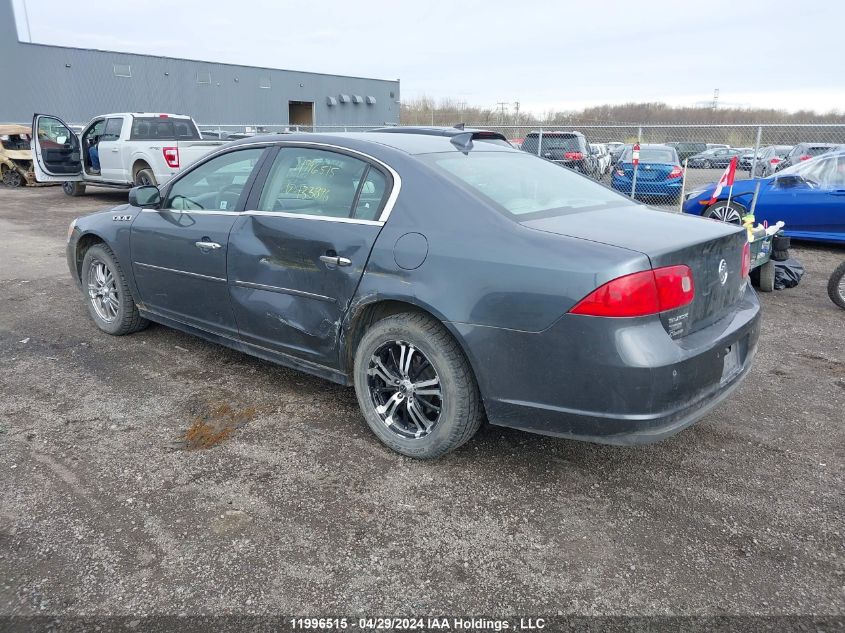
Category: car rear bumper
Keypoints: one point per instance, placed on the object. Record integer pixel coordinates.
(611, 381)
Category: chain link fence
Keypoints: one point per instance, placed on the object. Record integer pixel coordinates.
(603, 152)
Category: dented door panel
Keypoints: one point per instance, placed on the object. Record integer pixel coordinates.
(284, 296)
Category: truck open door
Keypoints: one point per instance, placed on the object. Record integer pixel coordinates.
(56, 150)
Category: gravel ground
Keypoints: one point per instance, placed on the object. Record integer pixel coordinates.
(106, 509)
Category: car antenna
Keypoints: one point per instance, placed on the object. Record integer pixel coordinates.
(462, 141)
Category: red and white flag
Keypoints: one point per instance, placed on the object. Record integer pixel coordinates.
(727, 179)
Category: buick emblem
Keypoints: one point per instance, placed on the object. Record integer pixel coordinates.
(723, 271)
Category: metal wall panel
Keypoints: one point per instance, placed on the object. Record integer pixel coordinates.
(78, 84)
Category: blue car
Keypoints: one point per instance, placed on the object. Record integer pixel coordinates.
(659, 174)
(809, 197)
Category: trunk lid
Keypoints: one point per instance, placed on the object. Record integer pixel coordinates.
(668, 239)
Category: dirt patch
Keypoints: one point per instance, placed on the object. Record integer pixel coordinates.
(214, 426)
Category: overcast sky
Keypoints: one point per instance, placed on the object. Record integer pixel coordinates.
(548, 55)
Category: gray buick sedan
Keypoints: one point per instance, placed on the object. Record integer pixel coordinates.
(448, 278)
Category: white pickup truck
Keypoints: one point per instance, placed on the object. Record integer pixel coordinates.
(134, 148)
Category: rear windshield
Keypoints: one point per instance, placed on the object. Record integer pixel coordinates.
(649, 155)
(566, 142)
(161, 129)
(524, 186)
(815, 151)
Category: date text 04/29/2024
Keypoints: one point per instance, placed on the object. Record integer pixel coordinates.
(418, 624)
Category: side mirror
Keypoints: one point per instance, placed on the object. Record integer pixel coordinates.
(144, 196)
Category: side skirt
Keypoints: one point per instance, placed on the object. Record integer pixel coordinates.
(273, 356)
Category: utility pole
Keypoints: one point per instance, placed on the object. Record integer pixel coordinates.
(516, 113)
(715, 99)
(501, 105)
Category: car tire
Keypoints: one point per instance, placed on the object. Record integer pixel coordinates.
(107, 294)
(13, 178)
(145, 177)
(767, 276)
(74, 189)
(836, 286)
(409, 417)
(707, 164)
(731, 213)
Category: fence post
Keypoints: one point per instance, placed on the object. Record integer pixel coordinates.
(756, 149)
(540, 142)
(636, 167)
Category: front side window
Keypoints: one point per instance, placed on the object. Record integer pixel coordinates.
(216, 184)
(112, 130)
(521, 185)
(322, 183)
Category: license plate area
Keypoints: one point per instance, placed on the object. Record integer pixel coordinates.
(731, 363)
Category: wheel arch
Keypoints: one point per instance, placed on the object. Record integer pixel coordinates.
(85, 241)
(367, 312)
(139, 163)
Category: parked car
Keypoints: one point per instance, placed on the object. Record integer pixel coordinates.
(809, 197)
(445, 279)
(612, 145)
(15, 156)
(617, 152)
(718, 157)
(686, 149)
(659, 174)
(602, 157)
(768, 160)
(569, 149)
(802, 152)
(139, 148)
(488, 136)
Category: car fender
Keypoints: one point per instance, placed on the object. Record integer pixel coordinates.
(113, 227)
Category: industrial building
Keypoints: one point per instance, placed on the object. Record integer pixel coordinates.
(77, 84)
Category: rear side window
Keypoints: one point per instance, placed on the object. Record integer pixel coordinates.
(163, 129)
(321, 183)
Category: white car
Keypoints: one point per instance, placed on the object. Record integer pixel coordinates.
(602, 155)
(137, 148)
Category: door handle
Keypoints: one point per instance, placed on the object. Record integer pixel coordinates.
(334, 260)
(206, 245)
(838, 192)
(115, 150)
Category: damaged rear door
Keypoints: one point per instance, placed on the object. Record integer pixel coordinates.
(297, 253)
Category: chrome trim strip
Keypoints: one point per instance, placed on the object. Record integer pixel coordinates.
(284, 291)
(180, 272)
(192, 211)
(306, 216)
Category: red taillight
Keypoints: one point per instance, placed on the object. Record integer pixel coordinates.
(805, 157)
(163, 116)
(676, 172)
(746, 260)
(573, 155)
(774, 161)
(171, 156)
(640, 294)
